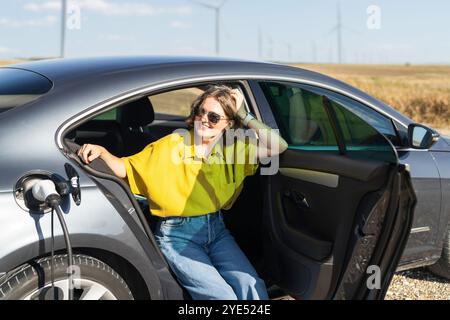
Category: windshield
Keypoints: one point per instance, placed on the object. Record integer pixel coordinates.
(18, 87)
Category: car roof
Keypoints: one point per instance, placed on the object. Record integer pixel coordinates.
(71, 68)
(98, 71)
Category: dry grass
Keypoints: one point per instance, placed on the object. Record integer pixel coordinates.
(5, 62)
(420, 92)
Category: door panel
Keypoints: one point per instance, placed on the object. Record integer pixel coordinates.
(359, 169)
(322, 178)
(318, 231)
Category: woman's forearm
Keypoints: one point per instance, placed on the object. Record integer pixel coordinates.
(114, 163)
(268, 138)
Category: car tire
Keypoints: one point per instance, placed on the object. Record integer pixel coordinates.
(96, 280)
(442, 266)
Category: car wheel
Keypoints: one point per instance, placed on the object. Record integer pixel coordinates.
(442, 266)
(94, 280)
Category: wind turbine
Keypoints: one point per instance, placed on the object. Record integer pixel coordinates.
(216, 10)
(338, 28)
(63, 28)
(339, 33)
(314, 52)
(260, 43)
(289, 51)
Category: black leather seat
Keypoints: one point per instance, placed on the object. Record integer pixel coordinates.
(123, 136)
(134, 120)
(106, 133)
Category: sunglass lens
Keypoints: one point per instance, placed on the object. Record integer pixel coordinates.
(213, 117)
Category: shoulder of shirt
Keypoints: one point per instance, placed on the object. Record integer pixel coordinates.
(168, 140)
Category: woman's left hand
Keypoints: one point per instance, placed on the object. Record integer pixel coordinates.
(240, 108)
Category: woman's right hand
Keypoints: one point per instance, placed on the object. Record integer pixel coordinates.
(90, 152)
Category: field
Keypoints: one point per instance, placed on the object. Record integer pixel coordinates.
(5, 62)
(420, 92)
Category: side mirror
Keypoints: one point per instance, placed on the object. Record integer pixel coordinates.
(421, 137)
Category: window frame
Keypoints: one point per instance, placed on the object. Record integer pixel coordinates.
(248, 80)
(94, 111)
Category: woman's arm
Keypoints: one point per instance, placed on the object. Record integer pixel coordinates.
(270, 141)
(90, 152)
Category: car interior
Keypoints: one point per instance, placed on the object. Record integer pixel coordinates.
(127, 129)
(301, 246)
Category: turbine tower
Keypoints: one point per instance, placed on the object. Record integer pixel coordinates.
(338, 29)
(260, 43)
(63, 29)
(339, 33)
(216, 9)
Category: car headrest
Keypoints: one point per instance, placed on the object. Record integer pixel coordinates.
(138, 113)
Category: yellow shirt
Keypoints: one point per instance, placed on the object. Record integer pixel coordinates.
(176, 183)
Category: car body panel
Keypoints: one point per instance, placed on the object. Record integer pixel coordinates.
(93, 224)
(426, 182)
(442, 160)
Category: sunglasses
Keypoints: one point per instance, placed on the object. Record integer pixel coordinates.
(213, 117)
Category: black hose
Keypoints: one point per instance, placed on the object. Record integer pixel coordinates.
(52, 266)
(68, 246)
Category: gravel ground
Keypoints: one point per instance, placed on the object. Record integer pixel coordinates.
(418, 284)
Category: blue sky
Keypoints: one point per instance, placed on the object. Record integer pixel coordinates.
(414, 31)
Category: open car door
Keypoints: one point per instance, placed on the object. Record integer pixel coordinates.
(338, 213)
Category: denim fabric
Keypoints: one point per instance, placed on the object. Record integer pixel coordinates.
(206, 259)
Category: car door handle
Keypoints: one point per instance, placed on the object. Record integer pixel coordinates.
(298, 199)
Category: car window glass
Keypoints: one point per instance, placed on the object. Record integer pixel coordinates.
(300, 115)
(174, 103)
(304, 115)
(378, 121)
(108, 115)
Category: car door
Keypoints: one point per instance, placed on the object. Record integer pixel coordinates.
(423, 242)
(337, 213)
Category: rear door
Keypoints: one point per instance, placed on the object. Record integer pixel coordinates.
(339, 210)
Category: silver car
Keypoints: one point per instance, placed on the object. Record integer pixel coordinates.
(360, 192)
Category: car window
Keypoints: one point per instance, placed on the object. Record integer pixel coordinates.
(108, 115)
(300, 115)
(174, 103)
(18, 87)
(380, 122)
(170, 105)
(304, 115)
(356, 132)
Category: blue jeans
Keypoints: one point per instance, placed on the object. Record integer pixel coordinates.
(206, 259)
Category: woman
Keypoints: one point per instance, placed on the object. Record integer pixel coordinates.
(187, 180)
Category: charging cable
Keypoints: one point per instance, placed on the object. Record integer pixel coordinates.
(45, 191)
